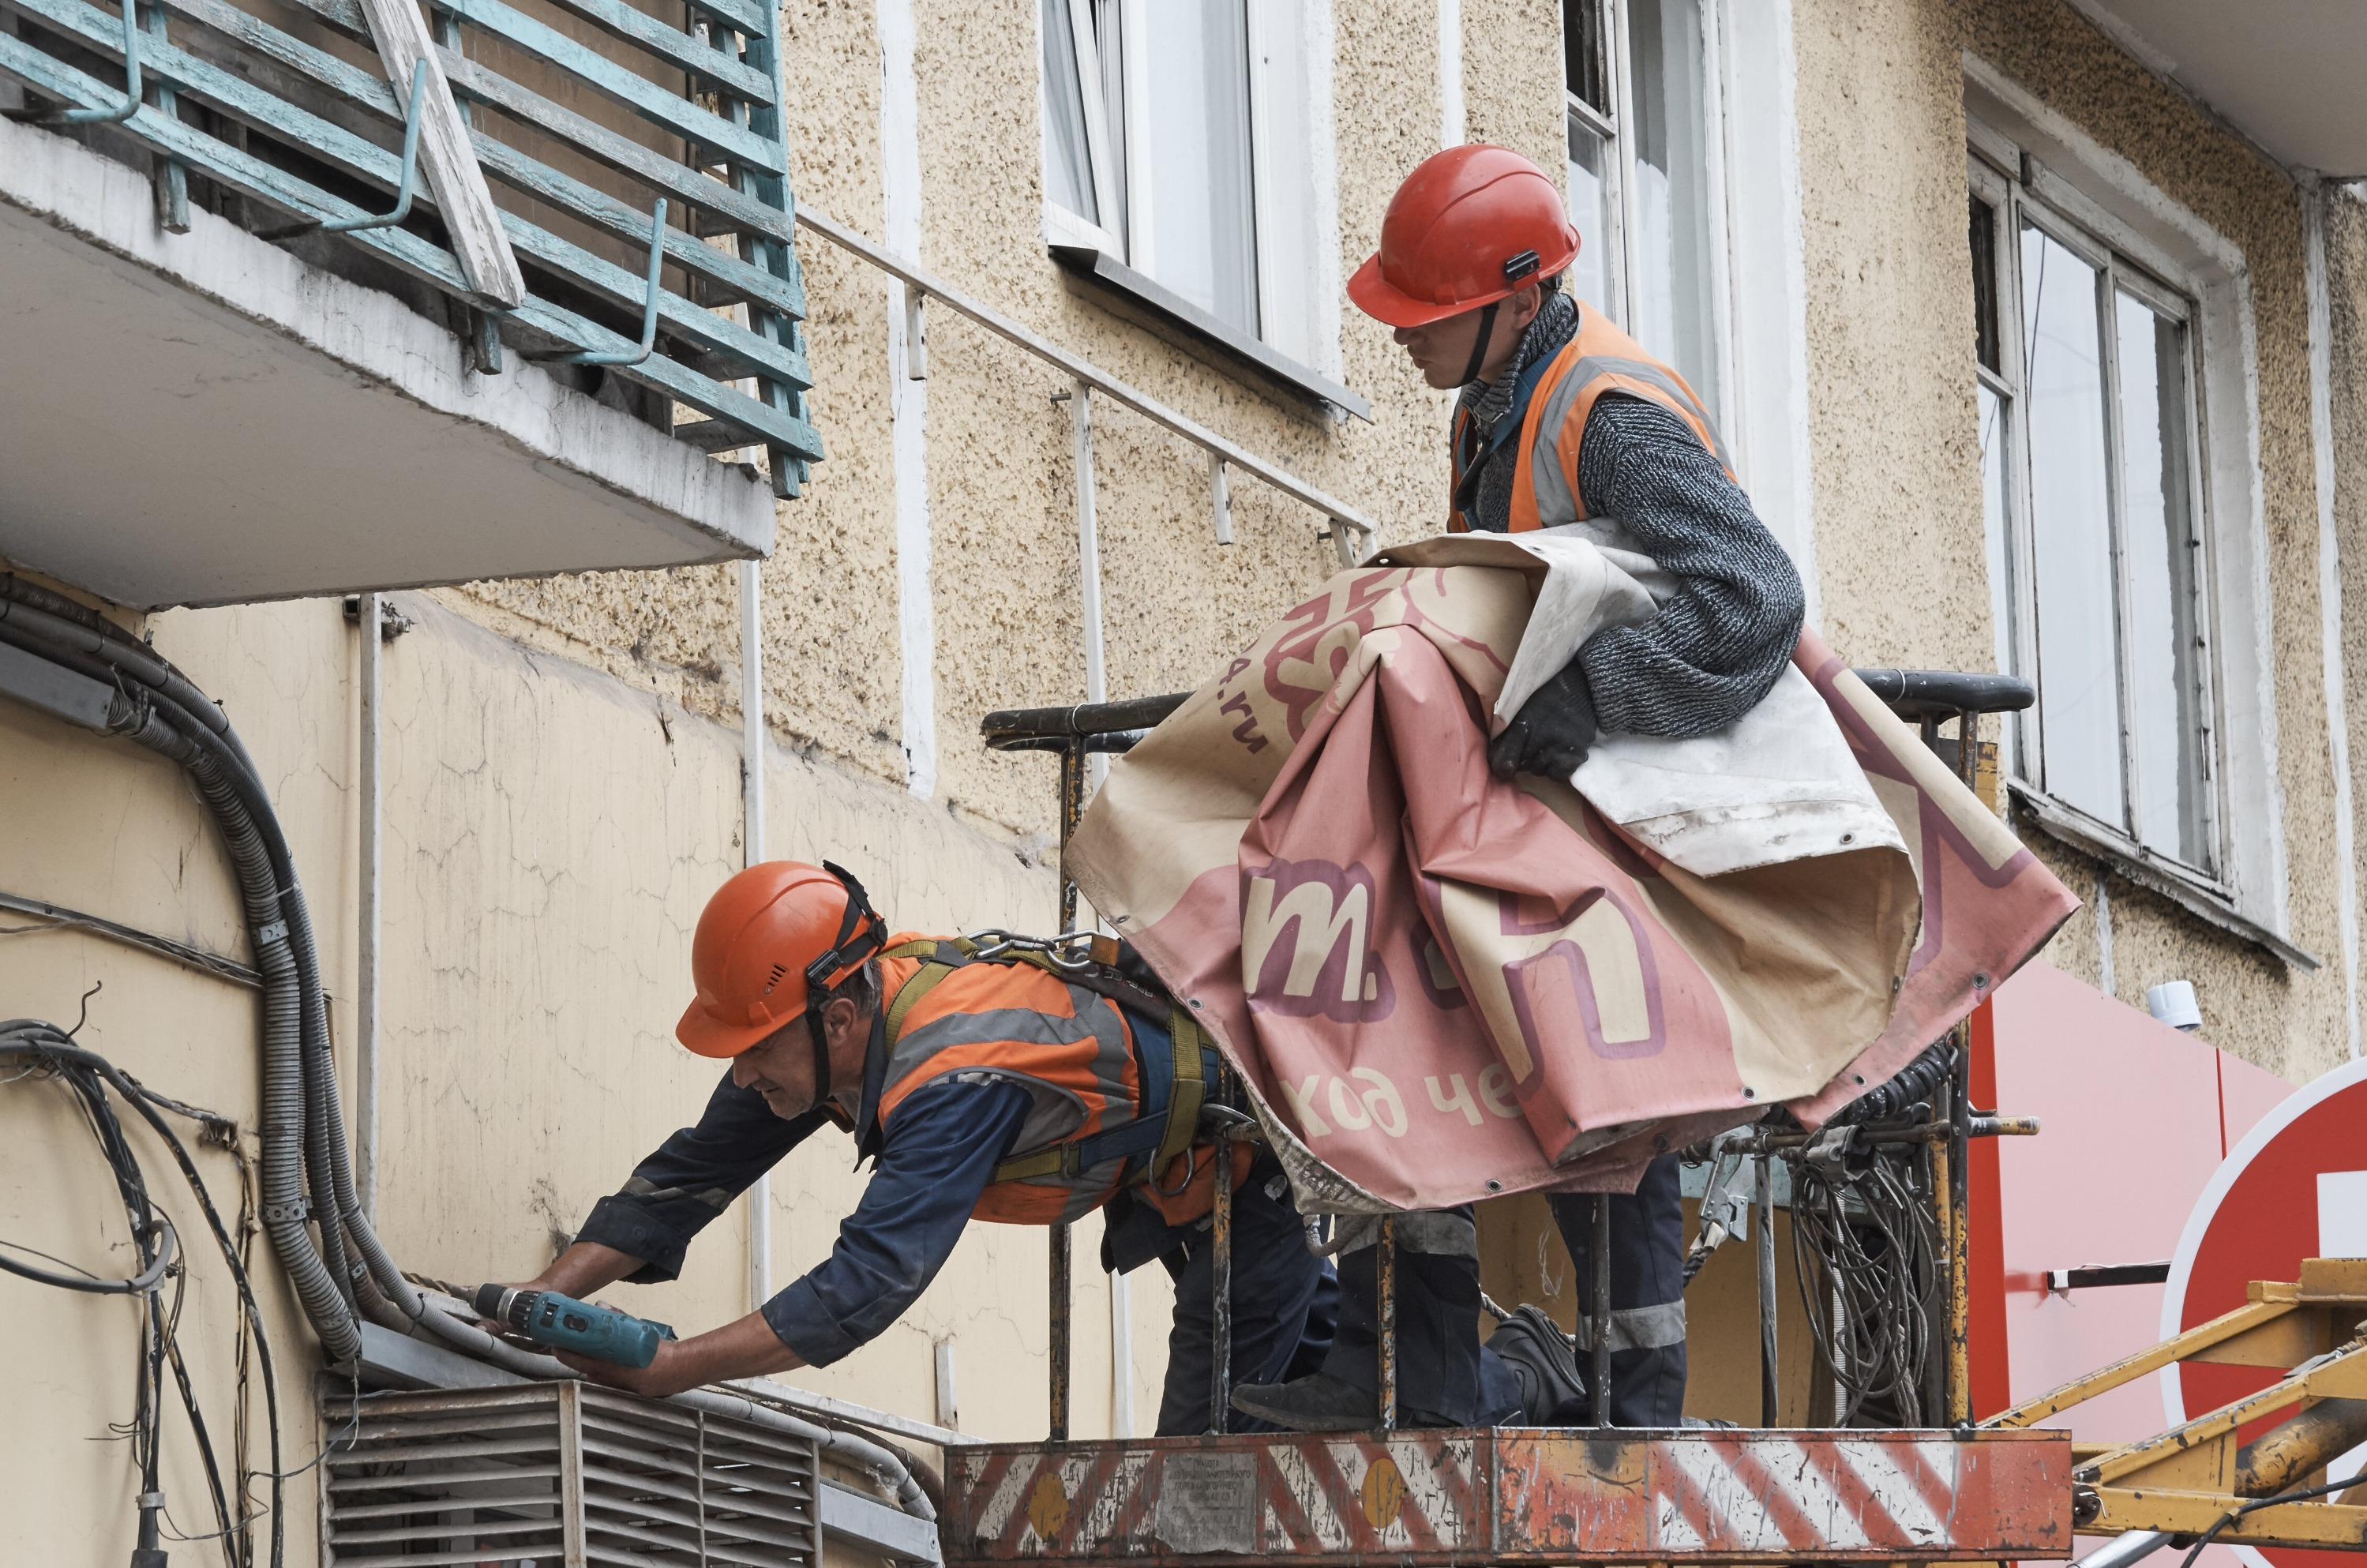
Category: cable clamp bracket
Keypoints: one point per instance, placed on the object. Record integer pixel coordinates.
(299, 1212)
(275, 932)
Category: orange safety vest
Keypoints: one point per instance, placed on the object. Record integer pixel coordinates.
(1600, 359)
(1072, 1048)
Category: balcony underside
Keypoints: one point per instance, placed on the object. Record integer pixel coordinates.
(202, 418)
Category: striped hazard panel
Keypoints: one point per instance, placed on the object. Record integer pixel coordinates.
(1438, 1497)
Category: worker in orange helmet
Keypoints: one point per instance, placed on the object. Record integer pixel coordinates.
(984, 1080)
(1561, 421)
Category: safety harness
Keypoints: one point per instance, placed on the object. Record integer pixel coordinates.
(1175, 1084)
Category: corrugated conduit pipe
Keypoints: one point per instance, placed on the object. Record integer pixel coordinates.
(307, 1168)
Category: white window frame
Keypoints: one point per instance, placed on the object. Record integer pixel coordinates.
(1626, 262)
(2015, 204)
(2100, 203)
(1295, 196)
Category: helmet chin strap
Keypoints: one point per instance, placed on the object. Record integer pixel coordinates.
(1479, 343)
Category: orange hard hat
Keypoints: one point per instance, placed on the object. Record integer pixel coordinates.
(1470, 227)
(768, 939)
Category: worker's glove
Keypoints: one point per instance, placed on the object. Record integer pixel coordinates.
(1552, 732)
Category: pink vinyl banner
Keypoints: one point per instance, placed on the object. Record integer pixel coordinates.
(1441, 986)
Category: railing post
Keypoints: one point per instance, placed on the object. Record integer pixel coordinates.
(1220, 1283)
(1385, 1282)
(1769, 1392)
(1088, 544)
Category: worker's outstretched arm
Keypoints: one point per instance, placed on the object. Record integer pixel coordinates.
(1715, 647)
(672, 1196)
(941, 1150)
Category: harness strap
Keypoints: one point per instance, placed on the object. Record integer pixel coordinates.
(1163, 1137)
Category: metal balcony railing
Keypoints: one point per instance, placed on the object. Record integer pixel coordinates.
(633, 150)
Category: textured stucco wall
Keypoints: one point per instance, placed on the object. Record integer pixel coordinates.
(1001, 477)
(2346, 259)
(1900, 545)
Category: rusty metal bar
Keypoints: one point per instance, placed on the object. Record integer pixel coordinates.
(1599, 1306)
(1059, 1335)
(1765, 1201)
(1221, 1282)
(1385, 1281)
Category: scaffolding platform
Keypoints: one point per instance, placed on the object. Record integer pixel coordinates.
(1515, 1495)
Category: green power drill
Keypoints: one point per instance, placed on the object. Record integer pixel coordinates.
(563, 1322)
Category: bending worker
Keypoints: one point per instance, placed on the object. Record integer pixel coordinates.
(1562, 420)
(1001, 1084)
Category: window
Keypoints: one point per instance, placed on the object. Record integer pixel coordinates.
(1178, 140)
(1639, 83)
(2091, 432)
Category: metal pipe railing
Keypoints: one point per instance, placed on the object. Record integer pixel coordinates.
(1089, 377)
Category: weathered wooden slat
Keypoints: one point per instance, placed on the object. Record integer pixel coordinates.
(251, 176)
(637, 27)
(737, 210)
(736, 279)
(753, 353)
(366, 159)
(473, 80)
(713, 434)
(743, 14)
(640, 95)
(445, 156)
(790, 470)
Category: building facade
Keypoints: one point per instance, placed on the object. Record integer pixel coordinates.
(2039, 352)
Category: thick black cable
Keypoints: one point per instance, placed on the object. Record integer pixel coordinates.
(141, 1284)
(208, 1459)
(2229, 1517)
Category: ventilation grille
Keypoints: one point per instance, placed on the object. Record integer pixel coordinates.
(562, 1474)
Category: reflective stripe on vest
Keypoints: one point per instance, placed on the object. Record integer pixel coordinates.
(1598, 359)
(1071, 1048)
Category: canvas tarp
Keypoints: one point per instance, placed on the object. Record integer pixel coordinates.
(1440, 986)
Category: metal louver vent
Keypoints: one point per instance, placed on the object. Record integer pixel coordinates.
(565, 1475)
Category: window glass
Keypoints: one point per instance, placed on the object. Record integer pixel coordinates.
(1070, 179)
(1674, 315)
(1194, 225)
(2079, 718)
(2158, 543)
(1590, 210)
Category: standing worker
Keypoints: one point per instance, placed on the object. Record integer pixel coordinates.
(984, 1080)
(1562, 421)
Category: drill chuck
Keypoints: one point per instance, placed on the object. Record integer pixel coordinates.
(563, 1322)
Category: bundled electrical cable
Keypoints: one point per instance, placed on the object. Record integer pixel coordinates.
(1866, 1246)
(41, 1050)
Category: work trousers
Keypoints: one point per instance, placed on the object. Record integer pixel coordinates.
(1446, 1377)
(1284, 1298)
(1648, 1293)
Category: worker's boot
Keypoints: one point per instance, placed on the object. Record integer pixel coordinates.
(1316, 1402)
(1322, 1403)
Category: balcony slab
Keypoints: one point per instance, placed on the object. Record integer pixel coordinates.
(203, 418)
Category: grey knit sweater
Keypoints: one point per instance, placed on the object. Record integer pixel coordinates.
(1716, 648)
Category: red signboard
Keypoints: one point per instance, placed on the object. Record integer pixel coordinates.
(2295, 1187)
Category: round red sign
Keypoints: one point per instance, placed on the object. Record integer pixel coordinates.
(2295, 1187)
